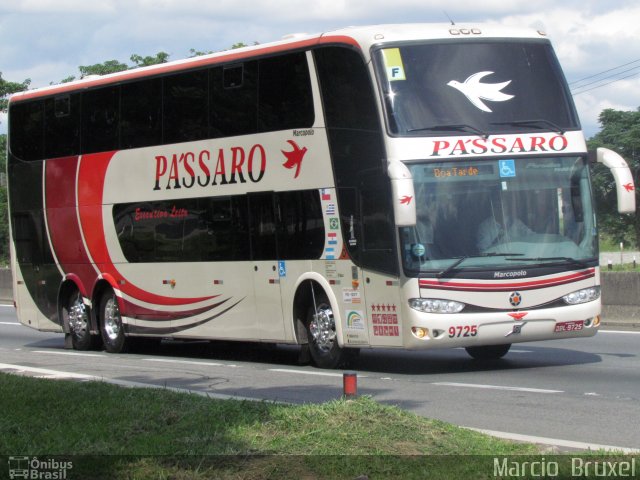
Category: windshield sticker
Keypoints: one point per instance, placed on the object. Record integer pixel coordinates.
(393, 64)
(476, 91)
(507, 168)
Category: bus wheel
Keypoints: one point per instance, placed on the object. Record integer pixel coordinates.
(111, 326)
(488, 352)
(321, 329)
(79, 327)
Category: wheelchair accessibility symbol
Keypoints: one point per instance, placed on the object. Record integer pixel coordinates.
(507, 168)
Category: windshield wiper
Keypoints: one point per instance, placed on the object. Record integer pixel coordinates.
(457, 127)
(538, 123)
(568, 260)
(452, 267)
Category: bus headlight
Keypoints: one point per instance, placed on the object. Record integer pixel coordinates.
(582, 296)
(433, 305)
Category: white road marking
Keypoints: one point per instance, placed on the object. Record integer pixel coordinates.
(73, 354)
(555, 441)
(496, 387)
(45, 372)
(10, 323)
(623, 332)
(55, 374)
(189, 362)
(306, 372)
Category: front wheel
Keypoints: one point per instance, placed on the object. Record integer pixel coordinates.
(488, 352)
(111, 326)
(321, 330)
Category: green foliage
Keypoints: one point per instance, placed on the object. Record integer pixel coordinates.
(140, 61)
(621, 133)
(7, 88)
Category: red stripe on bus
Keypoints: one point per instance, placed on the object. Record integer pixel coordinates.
(62, 221)
(91, 177)
(505, 287)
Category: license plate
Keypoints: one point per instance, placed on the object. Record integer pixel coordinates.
(569, 326)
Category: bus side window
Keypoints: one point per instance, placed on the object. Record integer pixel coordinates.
(262, 227)
(185, 107)
(26, 128)
(233, 107)
(284, 93)
(140, 109)
(300, 225)
(62, 126)
(100, 120)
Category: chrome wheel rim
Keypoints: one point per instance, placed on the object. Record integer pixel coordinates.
(112, 323)
(323, 328)
(78, 316)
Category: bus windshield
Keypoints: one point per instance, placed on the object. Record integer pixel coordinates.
(479, 87)
(500, 214)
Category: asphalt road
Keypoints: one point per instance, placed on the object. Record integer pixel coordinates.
(571, 393)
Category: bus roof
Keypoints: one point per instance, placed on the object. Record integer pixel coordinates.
(362, 37)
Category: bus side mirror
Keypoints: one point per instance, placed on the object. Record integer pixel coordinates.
(402, 194)
(625, 187)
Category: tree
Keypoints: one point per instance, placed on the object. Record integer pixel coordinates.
(113, 66)
(140, 61)
(7, 88)
(620, 132)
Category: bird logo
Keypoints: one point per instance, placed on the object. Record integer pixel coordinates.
(476, 91)
(294, 157)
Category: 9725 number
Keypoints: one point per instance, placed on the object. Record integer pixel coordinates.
(463, 331)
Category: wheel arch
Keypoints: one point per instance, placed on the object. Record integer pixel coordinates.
(303, 298)
(70, 284)
(103, 284)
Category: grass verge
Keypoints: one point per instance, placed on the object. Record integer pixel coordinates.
(115, 432)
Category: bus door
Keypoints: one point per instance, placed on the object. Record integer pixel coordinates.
(266, 274)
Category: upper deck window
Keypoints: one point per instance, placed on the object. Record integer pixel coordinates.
(482, 87)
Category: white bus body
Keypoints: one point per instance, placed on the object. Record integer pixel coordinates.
(325, 190)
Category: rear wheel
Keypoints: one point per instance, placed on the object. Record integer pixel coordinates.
(488, 352)
(321, 331)
(111, 327)
(78, 319)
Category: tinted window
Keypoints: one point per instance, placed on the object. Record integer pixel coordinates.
(347, 92)
(284, 93)
(26, 130)
(205, 229)
(62, 126)
(233, 109)
(140, 107)
(430, 87)
(100, 119)
(357, 153)
(263, 227)
(185, 107)
(301, 226)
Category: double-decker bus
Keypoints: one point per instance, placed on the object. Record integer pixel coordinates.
(400, 186)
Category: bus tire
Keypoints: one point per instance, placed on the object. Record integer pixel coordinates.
(111, 327)
(78, 318)
(321, 332)
(488, 352)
